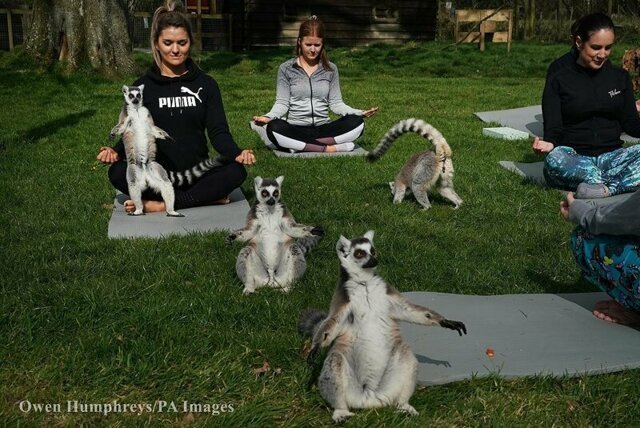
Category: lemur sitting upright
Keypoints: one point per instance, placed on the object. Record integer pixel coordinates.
(368, 364)
(139, 135)
(423, 170)
(277, 244)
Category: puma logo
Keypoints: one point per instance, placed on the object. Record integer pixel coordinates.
(186, 90)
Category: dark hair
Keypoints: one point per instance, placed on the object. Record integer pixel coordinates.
(313, 27)
(172, 14)
(587, 25)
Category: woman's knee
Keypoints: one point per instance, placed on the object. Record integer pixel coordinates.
(118, 176)
(236, 174)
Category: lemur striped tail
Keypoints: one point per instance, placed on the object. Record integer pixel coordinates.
(309, 321)
(418, 126)
(188, 176)
(307, 243)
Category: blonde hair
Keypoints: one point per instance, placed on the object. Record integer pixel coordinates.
(313, 27)
(171, 14)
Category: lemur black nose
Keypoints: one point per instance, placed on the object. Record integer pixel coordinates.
(271, 201)
(372, 262)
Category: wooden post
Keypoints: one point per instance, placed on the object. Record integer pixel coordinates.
(230, 32)
(510, 30)
(199, 24)
(10, 29)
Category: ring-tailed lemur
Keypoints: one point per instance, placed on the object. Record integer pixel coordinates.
(368, 364)
(277, 244)
(424, 169)
(138, 135)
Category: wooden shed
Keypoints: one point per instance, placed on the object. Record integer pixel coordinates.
(348, 22)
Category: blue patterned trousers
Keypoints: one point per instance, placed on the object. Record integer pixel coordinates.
(610, 262)
(619, 170)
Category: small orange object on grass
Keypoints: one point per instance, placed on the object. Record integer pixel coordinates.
(490, 352)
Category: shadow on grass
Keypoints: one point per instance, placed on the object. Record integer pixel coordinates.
(550, 285)
(55, 125)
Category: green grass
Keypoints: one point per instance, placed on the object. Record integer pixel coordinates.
(90, 319)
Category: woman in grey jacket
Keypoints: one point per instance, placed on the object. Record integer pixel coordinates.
(308, 87)
(606, 245)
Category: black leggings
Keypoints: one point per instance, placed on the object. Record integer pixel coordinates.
(212, 186)
(340, 133)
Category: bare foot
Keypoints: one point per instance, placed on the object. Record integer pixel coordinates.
(330, 149)
(147, 206)
(222, 201)
(612, 311)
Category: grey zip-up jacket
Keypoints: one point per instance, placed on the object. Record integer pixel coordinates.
(305, 100)
(617, 218)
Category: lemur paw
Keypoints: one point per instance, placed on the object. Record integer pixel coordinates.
(340, 416)
(454, 325)
(312, 354)
(408, 408)
(317, 231)
(230, 238)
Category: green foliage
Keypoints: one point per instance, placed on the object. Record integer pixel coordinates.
(86, 318)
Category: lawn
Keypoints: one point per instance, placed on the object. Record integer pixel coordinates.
(90, 320)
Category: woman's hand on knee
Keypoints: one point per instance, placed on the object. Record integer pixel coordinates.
(107, 155)
(246, 157)
(261, 120)
(541, 147)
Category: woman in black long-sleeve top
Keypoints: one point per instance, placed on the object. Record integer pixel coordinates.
(586, 105)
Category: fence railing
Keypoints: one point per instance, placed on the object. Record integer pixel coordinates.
(212, 30)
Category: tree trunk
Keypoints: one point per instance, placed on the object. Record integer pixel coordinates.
(78, 31)
(529, 19)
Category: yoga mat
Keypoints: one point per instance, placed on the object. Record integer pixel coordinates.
(357, 151)
(530, 334)
(526, 119)
(262, 133)
(533, 171)
(196, 220)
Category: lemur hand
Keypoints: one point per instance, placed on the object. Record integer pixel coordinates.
(312, 354)
(230, 238)
(454, 325)
(317, 231)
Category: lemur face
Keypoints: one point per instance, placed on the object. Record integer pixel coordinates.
(133, 94)
(357, 252)
(268, 189)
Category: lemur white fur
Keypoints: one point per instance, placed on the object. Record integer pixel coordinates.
(179, 178)
(139, 137)
(277, 244)
(368, 364)
(424, 169)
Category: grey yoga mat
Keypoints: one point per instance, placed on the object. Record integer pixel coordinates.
(527, 119)
(196, 220)
(533, 171)
(519, 335)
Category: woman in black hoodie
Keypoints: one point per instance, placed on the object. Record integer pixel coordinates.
(586, 105)
(187, 104)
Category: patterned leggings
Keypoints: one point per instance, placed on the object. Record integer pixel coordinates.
(610, 262)
(619, 170)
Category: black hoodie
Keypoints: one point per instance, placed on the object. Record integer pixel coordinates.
(588, 109)
(185, 107)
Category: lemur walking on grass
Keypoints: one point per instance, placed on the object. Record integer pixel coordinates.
(423, 170)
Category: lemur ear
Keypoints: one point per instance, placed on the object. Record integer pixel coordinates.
(257, 182)
(125, 89)
(280, 180)
(342, 246)
(369, 235)
(141, 87)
